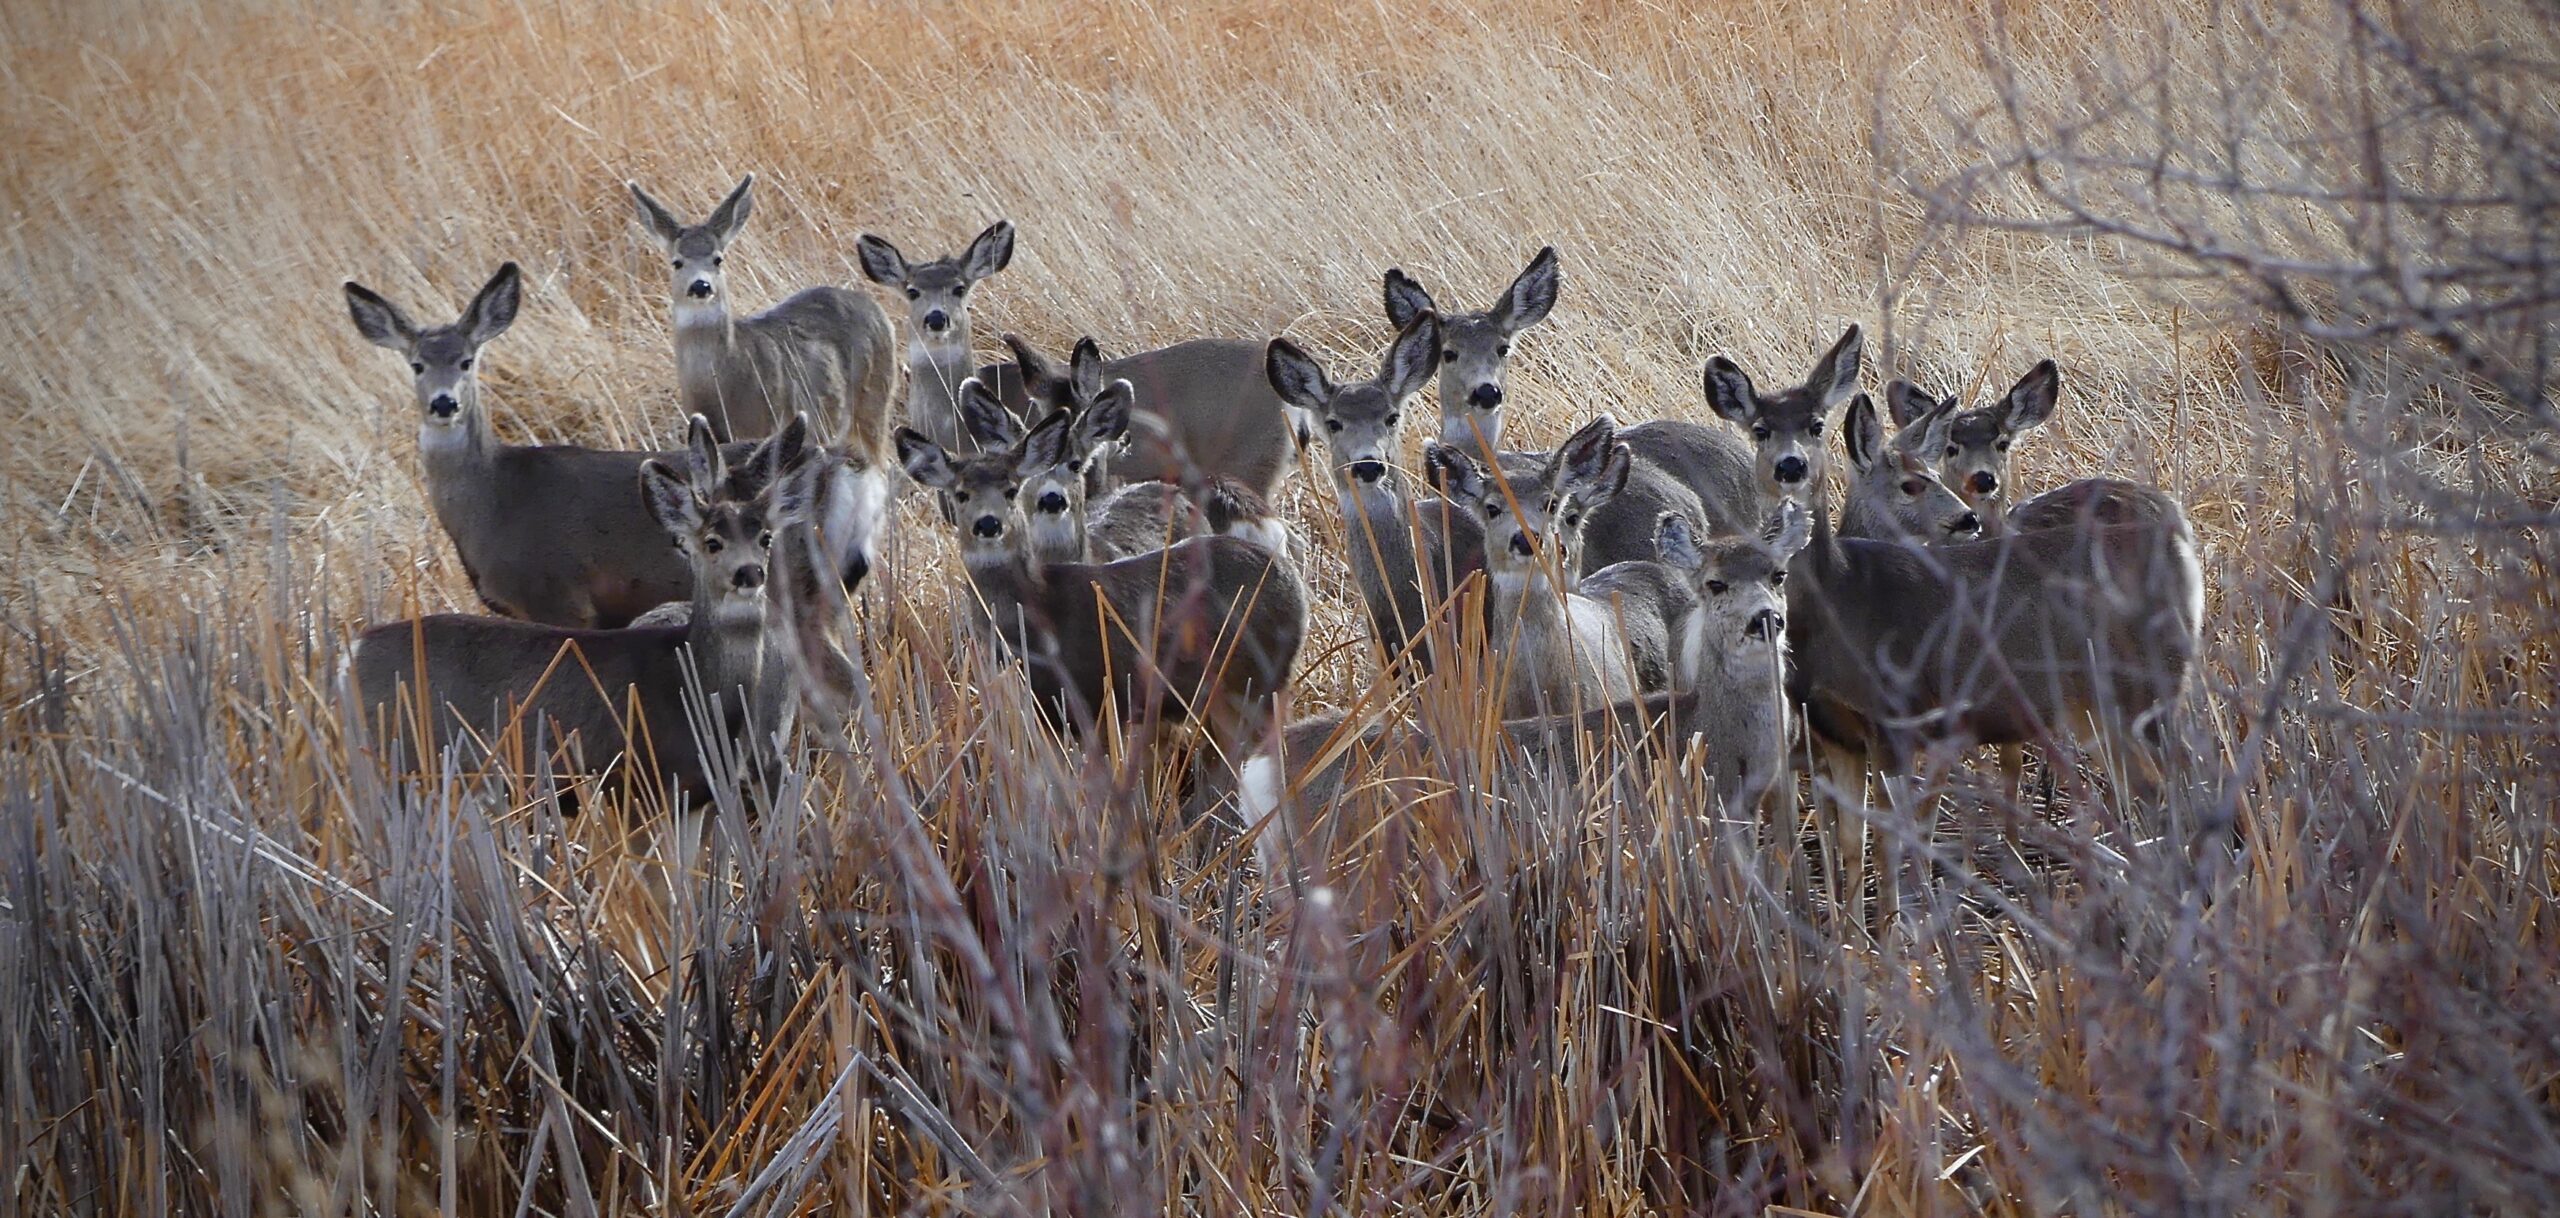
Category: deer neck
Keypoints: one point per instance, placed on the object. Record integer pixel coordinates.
(461, 463)
(1009, 586)
(935, 371)
(728, 645)
(705, 333)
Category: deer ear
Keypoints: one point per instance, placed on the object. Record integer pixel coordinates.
(1906, 402)
(989, 252)
(1729, 392)
(1611, 478)
(1406, 299)
(1865, 434)
(1529, 298)
(702, 455)
(1458, 474)
(1410, 361)
(669, 497)
(380, 321)
(731, 215)
(1675, 542)
(1296, 376)
(925, 461)
(881, 262)
(2031, 400)
(1787, 530)
(1035, 367)
(1585, 454)
(989, 423)
(794, 496)
(1084, 367)
(661, 223)
(1836, 375)
(494, 309)
(1046, 447)
(1107, 419)
(784, 451)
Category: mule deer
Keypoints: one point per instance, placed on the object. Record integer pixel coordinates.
(1553, 648)
(1475, 348)
(1894, 493)
(554, 534)
(2082, 633)
(1407, 556)
(826, 352)
(616, 694)
(939, 358)
(1207, 628)
(1974, 454)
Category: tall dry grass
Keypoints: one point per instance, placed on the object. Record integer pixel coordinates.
(955, 969)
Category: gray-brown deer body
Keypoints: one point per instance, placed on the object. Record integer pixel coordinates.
(826, 352)
(1207, 628)
(1554, 649)
(1407, 555)
(1475, 348)
(478, 676)
(1199, 409)
(940, 359)
(555, 534)
(2068, 633)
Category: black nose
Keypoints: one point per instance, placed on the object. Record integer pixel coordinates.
(1966, 525)
(987, 526)
(748, 579)
(1520, 545)
(1764, 625)
(856, 568)
(1486, 397)
(699, 289)
(1053, 502)
(937, 321)
(1985, 482)
(1368, 471)
(443, 406)
(1790, 470)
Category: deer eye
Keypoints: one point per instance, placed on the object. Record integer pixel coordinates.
(1076, 466)
(1716, 586)
(1333, 424)
(1911, 487)
(1777, 579)
(466, 365)
(765, 539)
(1492, 508)
(416, 368)
(679, 264)
(2002, 446)
(1953, 452)
(1392, 416)
(716, 260)
(1760, 433)
(1503, 350)
(1572, 518)
(710, 545)
(913, 293)
(1011, 491)
(1448, 355)
(960, 292)
(1817, 427)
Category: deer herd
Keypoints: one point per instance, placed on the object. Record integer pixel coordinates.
(1724, 585)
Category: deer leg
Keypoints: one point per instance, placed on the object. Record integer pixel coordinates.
(1846, 776)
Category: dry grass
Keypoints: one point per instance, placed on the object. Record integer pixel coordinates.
(956, 972)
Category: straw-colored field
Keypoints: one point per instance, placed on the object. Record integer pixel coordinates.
(960, 972)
